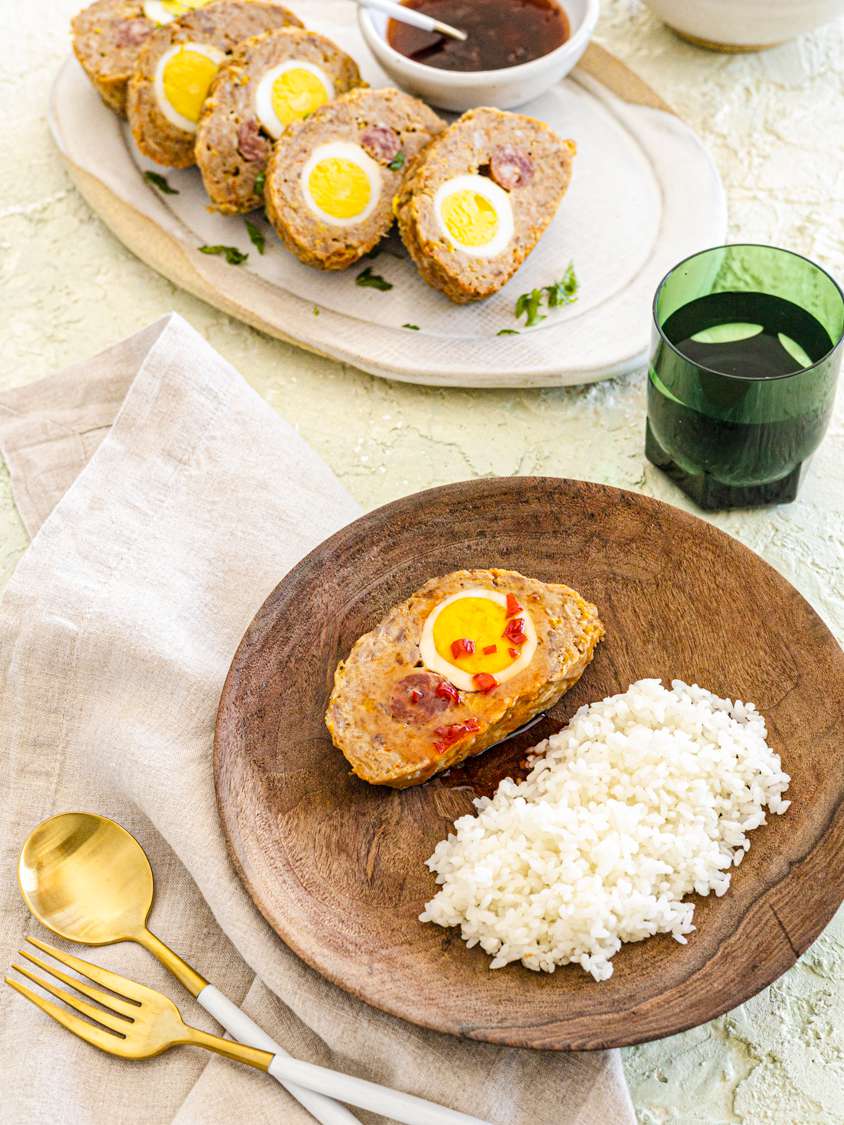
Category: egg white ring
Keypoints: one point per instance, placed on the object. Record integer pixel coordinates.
(154, 10)
(264, 93)
(464, 681)
(500, 201)
(343, 150)
(183, 123)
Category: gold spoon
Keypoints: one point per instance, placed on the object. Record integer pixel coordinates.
(89, 881)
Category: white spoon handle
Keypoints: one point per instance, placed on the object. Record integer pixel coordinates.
(411, 16)
(241, 1027)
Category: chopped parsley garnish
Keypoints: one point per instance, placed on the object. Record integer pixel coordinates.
(260, 180)
(564, 291)
(256, 236)
(412, 327)
(158, 181)
(372, 280)
(528, 306)
(559, 293)
(507, 332)
(316, 310)
(232, 255)
(397, 162)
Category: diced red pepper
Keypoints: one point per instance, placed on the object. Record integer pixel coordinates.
(489, 650)
(462, 647)
(513, 606)
(484, 682)
(515, 631)
(514, 652)
(446, 690)
(415, 695)
(454, 732)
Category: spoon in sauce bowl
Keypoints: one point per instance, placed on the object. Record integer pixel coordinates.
(401, 13)
(501, 33)
(514, 52)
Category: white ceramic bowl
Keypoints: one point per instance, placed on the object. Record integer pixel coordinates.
(461, 90)
(744, 25)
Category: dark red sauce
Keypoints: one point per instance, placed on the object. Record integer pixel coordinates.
(501, 33)
(483, 773)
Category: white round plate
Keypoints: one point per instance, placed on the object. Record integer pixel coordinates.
(644, 195)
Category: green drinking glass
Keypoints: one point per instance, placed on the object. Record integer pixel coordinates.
(744, 364)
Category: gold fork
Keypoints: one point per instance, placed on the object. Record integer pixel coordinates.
(136, 1022)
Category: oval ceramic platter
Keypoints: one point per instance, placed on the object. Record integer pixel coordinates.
(645, 194)
(338, 866)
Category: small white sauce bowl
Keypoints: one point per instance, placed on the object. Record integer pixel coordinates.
(744, 25)
(459, 90)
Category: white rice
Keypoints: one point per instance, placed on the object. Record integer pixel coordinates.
(644, 798)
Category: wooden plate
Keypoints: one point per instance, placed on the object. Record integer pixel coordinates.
(337, 866)
(624, 223)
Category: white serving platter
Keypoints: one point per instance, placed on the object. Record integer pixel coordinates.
(644, 195)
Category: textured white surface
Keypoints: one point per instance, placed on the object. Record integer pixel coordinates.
(774, 123)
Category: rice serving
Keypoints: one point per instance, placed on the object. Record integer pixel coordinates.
(645, 798)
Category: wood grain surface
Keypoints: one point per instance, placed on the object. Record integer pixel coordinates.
(337, 866)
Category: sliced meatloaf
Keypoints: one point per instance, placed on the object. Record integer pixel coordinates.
(526, 168)
(217, 28)
(399, 721)
(381, 129)
(239, 123)
(107, 36)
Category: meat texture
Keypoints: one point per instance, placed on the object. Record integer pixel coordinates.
(519, 154)
(395, 721)
(232, 148)
(222, 25)
(390, 127)
(107, 37)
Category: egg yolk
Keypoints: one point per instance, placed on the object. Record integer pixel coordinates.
(187, 76)
(340, 187)
(469, 218)
(180, 7)
(480, 620)
(296, 93)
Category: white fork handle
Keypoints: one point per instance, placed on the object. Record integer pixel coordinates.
(367, 1095)
(241, 1027)
(314, 1087)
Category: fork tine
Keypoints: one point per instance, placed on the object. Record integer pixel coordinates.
(107, 1019)
(125, 1007)
(105, 1040)
(128, 989)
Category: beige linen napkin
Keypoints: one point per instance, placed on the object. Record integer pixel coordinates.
(168, 499)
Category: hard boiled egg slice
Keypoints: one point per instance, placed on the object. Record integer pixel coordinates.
(341, 183)
(475, 215)
(290, 92)
(181, 83)
(478, 616)
(163, 11)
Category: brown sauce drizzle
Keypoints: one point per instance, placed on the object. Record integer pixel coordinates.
(483, 773)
